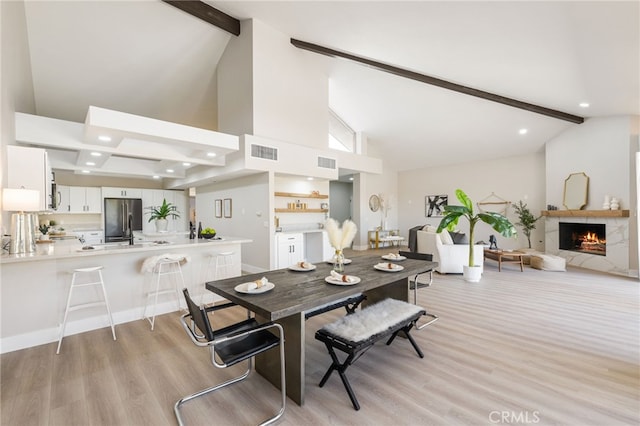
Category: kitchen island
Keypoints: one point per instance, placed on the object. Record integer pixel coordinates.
(34, 287)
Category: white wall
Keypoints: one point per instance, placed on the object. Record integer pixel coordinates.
(291, 90)
(512, 179)
(250, 213)
(600, 148)
(269, 88)
(16, 84)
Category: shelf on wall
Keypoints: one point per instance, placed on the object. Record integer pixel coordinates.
(301, 210)
(294, 195)
(585, 213)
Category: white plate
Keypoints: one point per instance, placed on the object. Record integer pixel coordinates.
(384, 267)
(332, 280)
(346, 261)
(242, 288)
(297, 267)
(386, 257)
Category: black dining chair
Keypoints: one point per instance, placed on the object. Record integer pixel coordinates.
(230, 345)
(418, 281)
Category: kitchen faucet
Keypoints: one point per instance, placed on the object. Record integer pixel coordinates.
(130, 229)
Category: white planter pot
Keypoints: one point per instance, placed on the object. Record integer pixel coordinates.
(161, 225)
(472, 274)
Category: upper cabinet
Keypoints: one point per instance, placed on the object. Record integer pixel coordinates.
(78, 199)
(29, 168)
(85, 199)
(112, 192)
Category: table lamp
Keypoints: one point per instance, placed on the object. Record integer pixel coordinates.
(23, 224)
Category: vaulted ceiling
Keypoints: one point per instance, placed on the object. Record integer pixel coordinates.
(151, 59)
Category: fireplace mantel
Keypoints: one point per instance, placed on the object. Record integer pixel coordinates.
(585, 213)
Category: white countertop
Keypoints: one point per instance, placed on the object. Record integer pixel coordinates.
(63, 251)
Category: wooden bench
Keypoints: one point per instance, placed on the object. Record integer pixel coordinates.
(356, 333)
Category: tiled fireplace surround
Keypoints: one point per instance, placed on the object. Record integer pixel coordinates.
(617, 259)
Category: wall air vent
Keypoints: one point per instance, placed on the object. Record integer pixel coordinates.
(266, 152)
(327, 163)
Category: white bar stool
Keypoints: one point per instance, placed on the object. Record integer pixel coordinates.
(219, 264)
(165, 267)
(223, 263)
(71, 308)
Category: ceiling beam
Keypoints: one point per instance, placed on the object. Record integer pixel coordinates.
(209, 14)
(438, 82)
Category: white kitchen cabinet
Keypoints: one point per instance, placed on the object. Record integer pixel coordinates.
(63, 203)
(84, 199)
(29, 168)
(290, 249)
(113, 192)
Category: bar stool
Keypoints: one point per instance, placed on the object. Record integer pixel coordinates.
(165, 267)
(74, 285)
(221, 263)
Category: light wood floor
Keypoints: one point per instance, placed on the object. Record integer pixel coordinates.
(533, 347)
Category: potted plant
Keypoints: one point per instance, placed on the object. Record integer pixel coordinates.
(452, 215)
(527, 219)
(161, 213)
(44, 230)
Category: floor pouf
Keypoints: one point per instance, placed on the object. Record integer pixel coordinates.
(548, 262)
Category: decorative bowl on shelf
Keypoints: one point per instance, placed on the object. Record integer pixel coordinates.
(208, 236)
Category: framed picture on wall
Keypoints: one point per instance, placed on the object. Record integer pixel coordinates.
(227, 207)
(434, 205)
(218, 208)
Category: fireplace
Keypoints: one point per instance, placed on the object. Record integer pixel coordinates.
(583, 238)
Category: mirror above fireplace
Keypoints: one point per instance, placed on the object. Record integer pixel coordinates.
(575, 191)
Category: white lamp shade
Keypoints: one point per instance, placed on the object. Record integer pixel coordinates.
(20, 200)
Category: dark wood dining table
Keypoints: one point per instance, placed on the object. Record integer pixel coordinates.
(297, 292)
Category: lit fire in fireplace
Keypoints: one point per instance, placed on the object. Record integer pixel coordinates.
(591, 242)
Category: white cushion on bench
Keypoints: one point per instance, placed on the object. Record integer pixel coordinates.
(372, 320)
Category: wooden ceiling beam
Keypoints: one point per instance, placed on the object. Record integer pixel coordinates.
(208, 14)
(438, 82)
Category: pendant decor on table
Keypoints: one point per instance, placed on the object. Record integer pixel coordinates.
(340, 238)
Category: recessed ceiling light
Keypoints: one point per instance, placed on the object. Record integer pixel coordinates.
(86, 171)
(169, 170)
(96, 154)
(186, 164)
(351, 178)
(156, 177)
(90, 163)
(104, 138)
(309, 178)
(584, 104)
(523, 131)
(211, 154)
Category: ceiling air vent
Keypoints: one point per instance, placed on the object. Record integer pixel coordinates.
(327, 163)
(266, 152)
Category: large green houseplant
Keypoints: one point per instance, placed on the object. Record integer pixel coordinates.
(527, 219)
(161, 213)
(452, 215)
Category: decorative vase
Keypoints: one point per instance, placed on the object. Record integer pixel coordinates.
(338, 261)
(161, 225)
(472, 274)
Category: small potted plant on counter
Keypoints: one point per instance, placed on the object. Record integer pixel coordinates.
(44, 230)
(161, 213)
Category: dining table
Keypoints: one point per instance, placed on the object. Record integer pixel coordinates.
(292, 292)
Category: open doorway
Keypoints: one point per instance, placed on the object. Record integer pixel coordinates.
(341, 196)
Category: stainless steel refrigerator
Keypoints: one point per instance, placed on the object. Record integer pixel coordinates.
(120, 214)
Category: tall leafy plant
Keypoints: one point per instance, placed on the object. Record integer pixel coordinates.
(163, 211)
(452, 215)
(527, 219)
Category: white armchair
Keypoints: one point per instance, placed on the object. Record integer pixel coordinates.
(450, 257)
